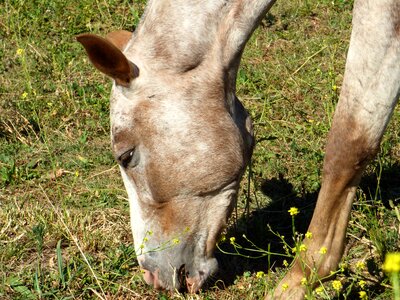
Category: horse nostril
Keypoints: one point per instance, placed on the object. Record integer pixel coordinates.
(182, 275)
(151, 278)
(148, 277)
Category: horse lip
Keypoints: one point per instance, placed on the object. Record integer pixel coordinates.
(192, 284)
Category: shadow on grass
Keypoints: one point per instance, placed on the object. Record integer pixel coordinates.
(276, 217)
(262, 228)
(388, 188)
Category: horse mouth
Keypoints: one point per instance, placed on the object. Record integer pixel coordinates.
(182, 277)
(185, 282)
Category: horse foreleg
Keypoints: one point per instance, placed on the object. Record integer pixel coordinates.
(369, 94)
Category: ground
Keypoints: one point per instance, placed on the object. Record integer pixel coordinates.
(64, 223)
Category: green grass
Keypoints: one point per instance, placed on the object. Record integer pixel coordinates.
(64, 222)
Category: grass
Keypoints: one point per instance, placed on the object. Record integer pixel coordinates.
(64, 222)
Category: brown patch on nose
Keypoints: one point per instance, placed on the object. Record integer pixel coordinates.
(167, 217)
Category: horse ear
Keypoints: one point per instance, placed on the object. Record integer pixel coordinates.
(119, 38)
(108, 58)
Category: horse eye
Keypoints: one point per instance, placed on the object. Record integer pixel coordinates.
(129, 158)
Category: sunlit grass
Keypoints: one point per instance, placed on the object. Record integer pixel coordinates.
(64, 220)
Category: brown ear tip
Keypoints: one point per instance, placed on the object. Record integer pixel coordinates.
(81, 38)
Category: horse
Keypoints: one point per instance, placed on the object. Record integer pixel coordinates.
(182, 138)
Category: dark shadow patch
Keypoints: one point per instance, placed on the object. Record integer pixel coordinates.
(388, 189)
(263, 228)
(276, 217)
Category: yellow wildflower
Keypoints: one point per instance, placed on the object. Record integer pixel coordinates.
(343, 266)
(293, 211)
(232, 240)
(176, 241)
(361, 283)
(24, 95)
(303, 281)
(323, 250)
(145, 239)
(150, 232)
(363, 295)
(303, 247)
(285, 263)
(260, 274)
(141, 246)
(308, 235)
(20, 52)
(392, 263)
(285, 286)
(337, 285)
(319, 290)
(360, 265)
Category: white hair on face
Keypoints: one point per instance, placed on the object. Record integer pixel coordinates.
(137, 220)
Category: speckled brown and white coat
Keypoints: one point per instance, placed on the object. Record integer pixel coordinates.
(183, 139)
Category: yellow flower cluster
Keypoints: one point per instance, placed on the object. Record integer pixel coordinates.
(337, 285)
(293, 211)
(303, 247)
(392, 263)
(319, 290)
(360, 265)
(323, 250)
(20, 52)
(363, 295)
(361, 283)
(343, 266)
(260, 274)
